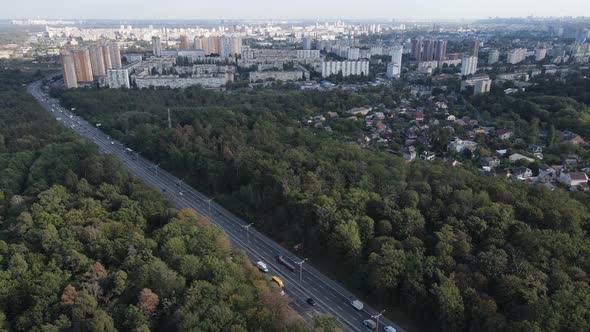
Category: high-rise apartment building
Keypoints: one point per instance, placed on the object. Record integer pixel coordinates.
(346, 68)
(468, 65)
(427, 50)
(482, 86)
(198, 43)
(440, 50)
(83, 66)
(106, 56)
(211, 45)
(540, 53)
(493, 57)
(393, 70)
(230, 46)
(97, 61)
(474, 47)
(396, 55)
(68, 70)
(416, 51)
(184, 43)
(516, 55)
(306, 41)
(118, 78)
(115, 56)
(157, 46)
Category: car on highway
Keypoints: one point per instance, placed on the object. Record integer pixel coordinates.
(278, 281)
(358, 305)
(262, 266)
(370, 324)
(389, 329)
(310, 301)
(181, 193)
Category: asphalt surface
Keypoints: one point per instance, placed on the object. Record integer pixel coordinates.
(331, 298)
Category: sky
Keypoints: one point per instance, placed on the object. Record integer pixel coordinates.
(289, 9)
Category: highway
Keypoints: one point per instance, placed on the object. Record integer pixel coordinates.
(330, 297)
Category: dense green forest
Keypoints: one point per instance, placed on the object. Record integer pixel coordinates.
(85, 247)
(463, 251)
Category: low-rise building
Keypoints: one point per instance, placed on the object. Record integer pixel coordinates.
(256, 76)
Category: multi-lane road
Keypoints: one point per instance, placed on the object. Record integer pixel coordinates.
(305, 282)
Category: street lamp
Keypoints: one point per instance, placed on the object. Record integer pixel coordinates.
(247, 227)
(377, 318)
(209, 201)
(301, 269)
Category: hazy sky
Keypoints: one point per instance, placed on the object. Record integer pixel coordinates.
(266, 9)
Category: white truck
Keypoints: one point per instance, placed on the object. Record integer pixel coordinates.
(261, 266)
(358, 305)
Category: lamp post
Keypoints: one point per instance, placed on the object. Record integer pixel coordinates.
(301, 269)
(247, 227)
(377, 318)
(209, 201)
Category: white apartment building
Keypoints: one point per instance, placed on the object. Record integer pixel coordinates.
(347, 68)
(516, 55)
(308, 54)
(118, 78)
(482, 86)
(468, 65)
(540, 53)
(493, 57)
(396, 55)
(393, 70)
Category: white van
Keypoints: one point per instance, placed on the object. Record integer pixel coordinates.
(261, 266)
(370, 324)
(358, 305)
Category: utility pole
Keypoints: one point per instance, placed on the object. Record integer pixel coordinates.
(301, 269)
(247, 227)
(169, 120)
(377, 318)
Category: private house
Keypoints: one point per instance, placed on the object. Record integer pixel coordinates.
(534, 148)
(547, 173)
(504, 134)
(427, 156)
(516, 157)
(573, 179)
(490, 161)
(522, 173)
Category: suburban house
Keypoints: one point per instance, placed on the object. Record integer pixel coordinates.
(573, 179)
(490, 161)
(427, 155)
(359, 111)
(459, 145)
(534, 148)
(547, 173)
(504, 134)
(522, 173)
(409, 154)
(573, 138)
(516, 157)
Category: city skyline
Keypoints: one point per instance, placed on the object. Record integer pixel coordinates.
(304, 9)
